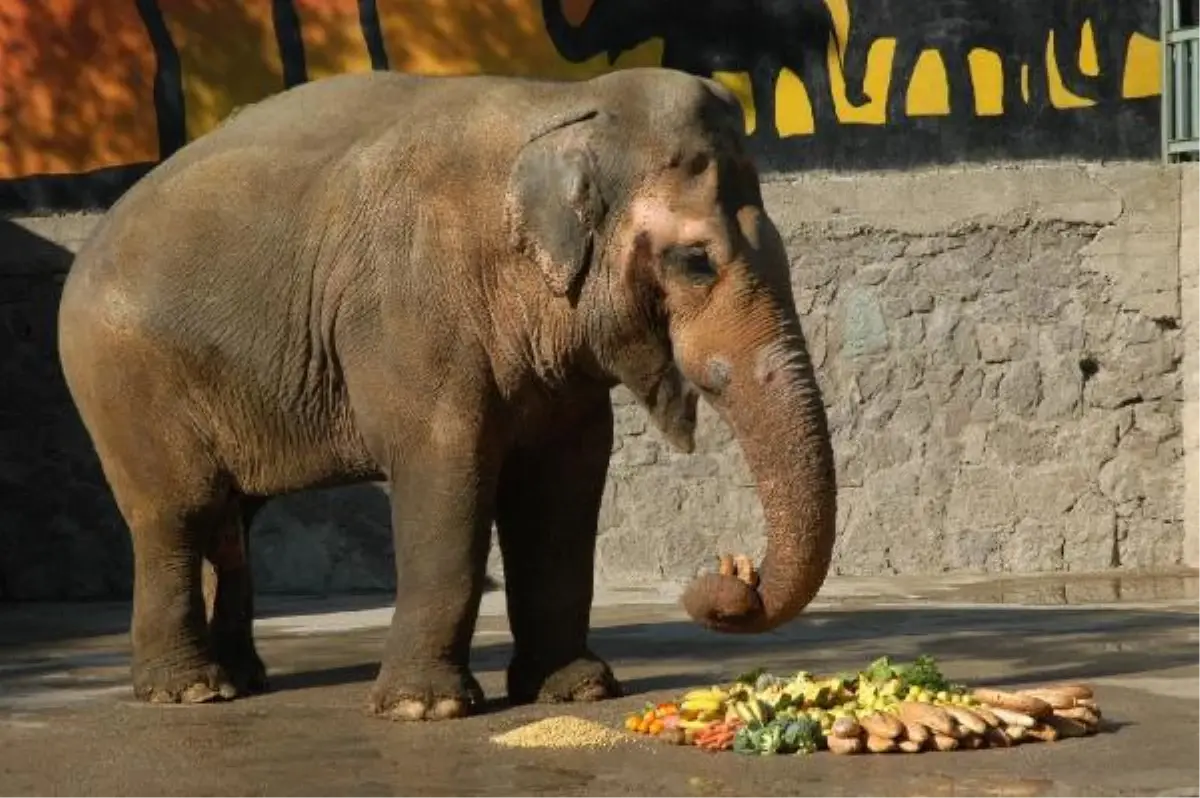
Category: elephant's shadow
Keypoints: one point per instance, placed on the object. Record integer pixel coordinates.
(1076, 647)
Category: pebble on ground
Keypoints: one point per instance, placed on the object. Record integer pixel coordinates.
(561, 732)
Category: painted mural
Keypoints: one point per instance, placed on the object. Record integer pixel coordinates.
(92, 94)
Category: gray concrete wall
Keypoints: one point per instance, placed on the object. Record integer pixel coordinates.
(1003, 353)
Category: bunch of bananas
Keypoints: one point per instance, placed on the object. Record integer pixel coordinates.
(699, 708)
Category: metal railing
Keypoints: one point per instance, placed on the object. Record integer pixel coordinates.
(1180, 87)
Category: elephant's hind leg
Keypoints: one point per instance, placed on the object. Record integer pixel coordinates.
(172, 496)
(229, 598)
(172, 520)
(549, 505)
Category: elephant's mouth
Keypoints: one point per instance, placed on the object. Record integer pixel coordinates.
(671, 403)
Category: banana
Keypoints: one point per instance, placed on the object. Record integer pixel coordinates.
(706, 694)
(693, 724)
(710, 703)
(744, 712)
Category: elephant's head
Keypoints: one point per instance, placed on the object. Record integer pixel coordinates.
(644, 216)
(583, 29)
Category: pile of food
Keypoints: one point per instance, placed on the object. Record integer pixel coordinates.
(562, 731)
(882, 709)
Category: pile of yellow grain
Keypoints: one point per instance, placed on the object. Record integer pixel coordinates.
(561, 732)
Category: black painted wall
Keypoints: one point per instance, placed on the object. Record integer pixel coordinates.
(1060, 83)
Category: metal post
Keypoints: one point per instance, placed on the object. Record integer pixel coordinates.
(1166, 102)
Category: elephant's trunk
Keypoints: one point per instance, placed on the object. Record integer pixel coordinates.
(771, 399)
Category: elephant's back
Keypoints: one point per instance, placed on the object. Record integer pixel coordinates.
(235, 214)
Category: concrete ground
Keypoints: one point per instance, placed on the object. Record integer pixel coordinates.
(69, 726)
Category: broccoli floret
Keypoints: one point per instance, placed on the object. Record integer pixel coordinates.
(923, 672)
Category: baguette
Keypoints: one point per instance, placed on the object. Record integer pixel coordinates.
(935, 718)
(1002, 699)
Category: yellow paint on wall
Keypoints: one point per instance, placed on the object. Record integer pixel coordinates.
(1025, 82)
(1089, 62)
(987, 79)
(793, 110)
(229, 57)
(878, 76)
(928, 92)
(1060, 96)
(839, 12)
(1142, 70)
(739, 83)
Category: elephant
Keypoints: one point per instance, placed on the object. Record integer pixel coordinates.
(436, 283)
(1112, 26)
(954, 28)
(705, 36)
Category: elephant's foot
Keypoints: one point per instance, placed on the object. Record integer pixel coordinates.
(245, 668)
(200, 684)
(586, 679)
(424, 693)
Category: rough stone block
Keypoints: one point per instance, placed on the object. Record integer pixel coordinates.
(1007, 367)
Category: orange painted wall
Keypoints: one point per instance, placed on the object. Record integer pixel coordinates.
(77, 77)
(76, 87)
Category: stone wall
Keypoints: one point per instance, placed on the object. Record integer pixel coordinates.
(1002, 353)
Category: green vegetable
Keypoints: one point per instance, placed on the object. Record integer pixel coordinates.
(750, 677)
(879, 671)
(800, 735)
(924, 673)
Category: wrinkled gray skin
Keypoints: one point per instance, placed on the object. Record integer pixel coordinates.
(435, 282)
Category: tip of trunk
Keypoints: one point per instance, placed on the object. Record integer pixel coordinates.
(727, 604)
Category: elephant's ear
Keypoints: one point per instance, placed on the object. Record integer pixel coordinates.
(554, 203)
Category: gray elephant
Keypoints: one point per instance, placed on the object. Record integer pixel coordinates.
(436, 282)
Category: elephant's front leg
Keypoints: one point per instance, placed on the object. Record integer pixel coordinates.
(548, 507)
(441, 520)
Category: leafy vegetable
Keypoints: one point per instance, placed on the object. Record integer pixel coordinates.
(751, 677)
(924, 673)
(802, 735)
(879, 671)
(785, 735)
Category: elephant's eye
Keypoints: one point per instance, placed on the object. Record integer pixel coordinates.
(693, 264)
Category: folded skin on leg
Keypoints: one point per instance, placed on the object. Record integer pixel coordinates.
(547, 515)
(441, 521)
(172, 659)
